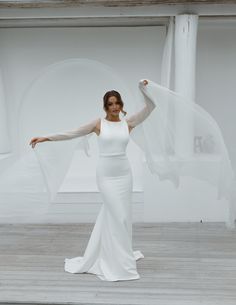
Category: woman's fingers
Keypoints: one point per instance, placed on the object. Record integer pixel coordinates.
(33, 142)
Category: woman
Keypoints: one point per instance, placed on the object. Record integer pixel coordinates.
(109, 252)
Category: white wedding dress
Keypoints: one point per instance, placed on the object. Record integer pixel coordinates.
(109, 252)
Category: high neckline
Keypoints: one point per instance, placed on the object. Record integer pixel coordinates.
(112, 121)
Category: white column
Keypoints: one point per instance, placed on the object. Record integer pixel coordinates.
(4, 136)
(185, 62)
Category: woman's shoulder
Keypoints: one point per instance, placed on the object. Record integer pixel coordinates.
(98, 123)
(127, 119)
(97, 126)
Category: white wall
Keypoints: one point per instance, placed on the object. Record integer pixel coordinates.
(215, 79)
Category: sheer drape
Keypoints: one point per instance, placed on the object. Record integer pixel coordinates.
(158, 139)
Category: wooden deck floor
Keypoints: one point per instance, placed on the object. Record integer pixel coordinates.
(184, 264)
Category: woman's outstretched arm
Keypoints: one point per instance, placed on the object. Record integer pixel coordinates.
(67, 135)
(141, 115)
(74, 133)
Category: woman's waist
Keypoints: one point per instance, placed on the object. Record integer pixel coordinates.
(112, 154)
(113, 165)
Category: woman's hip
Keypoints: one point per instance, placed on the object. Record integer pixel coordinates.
(113, 166)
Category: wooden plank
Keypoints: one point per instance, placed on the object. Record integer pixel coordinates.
(185, 263)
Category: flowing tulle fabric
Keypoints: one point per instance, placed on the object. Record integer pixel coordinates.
(109, 253)
(159, 141)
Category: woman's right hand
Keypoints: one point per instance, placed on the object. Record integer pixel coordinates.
(143, 83)
(34, 141)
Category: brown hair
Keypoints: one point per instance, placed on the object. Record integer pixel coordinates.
(117, 95)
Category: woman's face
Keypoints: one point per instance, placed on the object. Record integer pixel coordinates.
(114, 106)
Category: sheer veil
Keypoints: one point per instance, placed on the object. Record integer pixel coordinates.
(159, 141)
(36, 174)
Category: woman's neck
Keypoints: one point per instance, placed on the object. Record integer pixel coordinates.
(113, 118)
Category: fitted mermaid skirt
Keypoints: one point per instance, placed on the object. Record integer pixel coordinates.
(109, 252)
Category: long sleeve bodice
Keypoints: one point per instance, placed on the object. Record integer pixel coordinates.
(74, 133)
